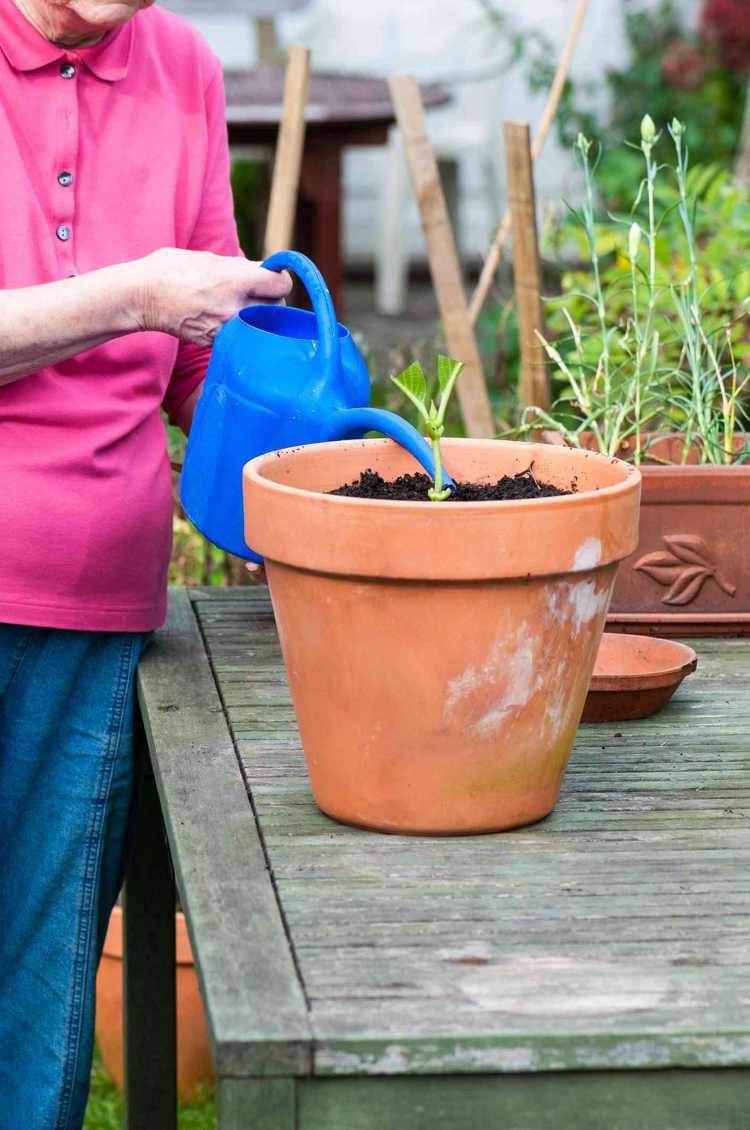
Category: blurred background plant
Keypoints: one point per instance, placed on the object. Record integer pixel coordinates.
(721, 222)
(649, 335)
(250, 192)
(697, 74)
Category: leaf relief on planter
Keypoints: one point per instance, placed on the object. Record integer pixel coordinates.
(685, 565)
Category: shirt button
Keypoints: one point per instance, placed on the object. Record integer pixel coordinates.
(67, 70)
(64, 179)
(63, 232)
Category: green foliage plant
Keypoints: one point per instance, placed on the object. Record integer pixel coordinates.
(674, 65)
(721, 225)
(413, 385)
(649, 356)
(676, 70)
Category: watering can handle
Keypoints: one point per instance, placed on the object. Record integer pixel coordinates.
(329, 343)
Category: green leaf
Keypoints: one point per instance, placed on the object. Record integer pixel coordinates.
(412, 381)
(448, 374)
(413, 384)
(446, 371)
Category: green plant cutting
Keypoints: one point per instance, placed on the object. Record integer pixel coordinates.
(413, 384)
(650, 355)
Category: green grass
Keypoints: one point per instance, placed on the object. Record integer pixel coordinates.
(104, 1111)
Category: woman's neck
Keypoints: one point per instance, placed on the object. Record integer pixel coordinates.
(58, 25)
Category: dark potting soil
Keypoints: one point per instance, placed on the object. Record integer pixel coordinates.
(413, 488)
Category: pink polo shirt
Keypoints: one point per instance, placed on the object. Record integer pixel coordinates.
(107, 153)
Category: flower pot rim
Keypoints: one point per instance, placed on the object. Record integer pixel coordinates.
(422, 542)
(252, 471)
(700, 469)
(667, 663)
(556, 439)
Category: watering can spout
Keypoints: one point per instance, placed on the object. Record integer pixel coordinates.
(352, 423)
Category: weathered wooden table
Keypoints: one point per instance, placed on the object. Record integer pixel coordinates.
(591, 971)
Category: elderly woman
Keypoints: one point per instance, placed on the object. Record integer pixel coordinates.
(119, 262)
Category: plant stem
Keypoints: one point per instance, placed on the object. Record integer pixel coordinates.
(588, 212)
(436, 492)
(638, 351)
(438, 465)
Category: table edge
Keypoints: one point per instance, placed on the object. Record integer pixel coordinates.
(255, 1006)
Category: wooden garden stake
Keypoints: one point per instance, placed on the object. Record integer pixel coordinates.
(527, 273)
(443, 256)
(548, 117)
(289, 147)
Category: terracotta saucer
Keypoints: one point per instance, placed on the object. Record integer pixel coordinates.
(635, 676)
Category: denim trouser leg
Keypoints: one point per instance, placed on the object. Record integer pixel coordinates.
(66, 781)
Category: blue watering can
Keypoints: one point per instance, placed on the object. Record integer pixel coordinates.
(278, 377)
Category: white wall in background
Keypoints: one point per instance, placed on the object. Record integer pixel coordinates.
(437, 40)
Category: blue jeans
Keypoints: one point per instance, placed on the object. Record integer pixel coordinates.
(67, 720)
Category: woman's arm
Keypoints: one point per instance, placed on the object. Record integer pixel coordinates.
(41, 325)
(189, 294)
(186, 411)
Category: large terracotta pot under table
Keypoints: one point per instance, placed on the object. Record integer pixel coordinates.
(193, 1051)
(690, 574)
(439, 654)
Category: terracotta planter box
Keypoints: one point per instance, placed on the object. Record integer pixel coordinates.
(690, 575)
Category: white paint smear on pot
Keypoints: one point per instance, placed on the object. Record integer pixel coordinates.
(577, 603)
(588, 555)
(511, 667)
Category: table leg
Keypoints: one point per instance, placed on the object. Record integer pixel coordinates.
(319, 212)
(149, 986)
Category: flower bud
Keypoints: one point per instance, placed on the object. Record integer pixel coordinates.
(648, 129)
(633, 240)
(583, 143)
(677, 128)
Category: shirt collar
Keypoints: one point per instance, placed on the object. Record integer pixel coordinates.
(26, 48)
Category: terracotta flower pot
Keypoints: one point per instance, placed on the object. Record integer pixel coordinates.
(439, 654)
(193, 1052)
(690, 575)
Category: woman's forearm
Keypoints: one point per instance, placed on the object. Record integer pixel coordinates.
(188, 294)
(42, 325)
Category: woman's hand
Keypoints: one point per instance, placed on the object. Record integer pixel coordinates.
(256, 573)
(191, 294)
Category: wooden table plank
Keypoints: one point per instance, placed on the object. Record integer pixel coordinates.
(617, 1100)
(255, 1005)
(612, 935)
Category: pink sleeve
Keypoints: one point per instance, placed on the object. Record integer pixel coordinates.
(215, 230)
